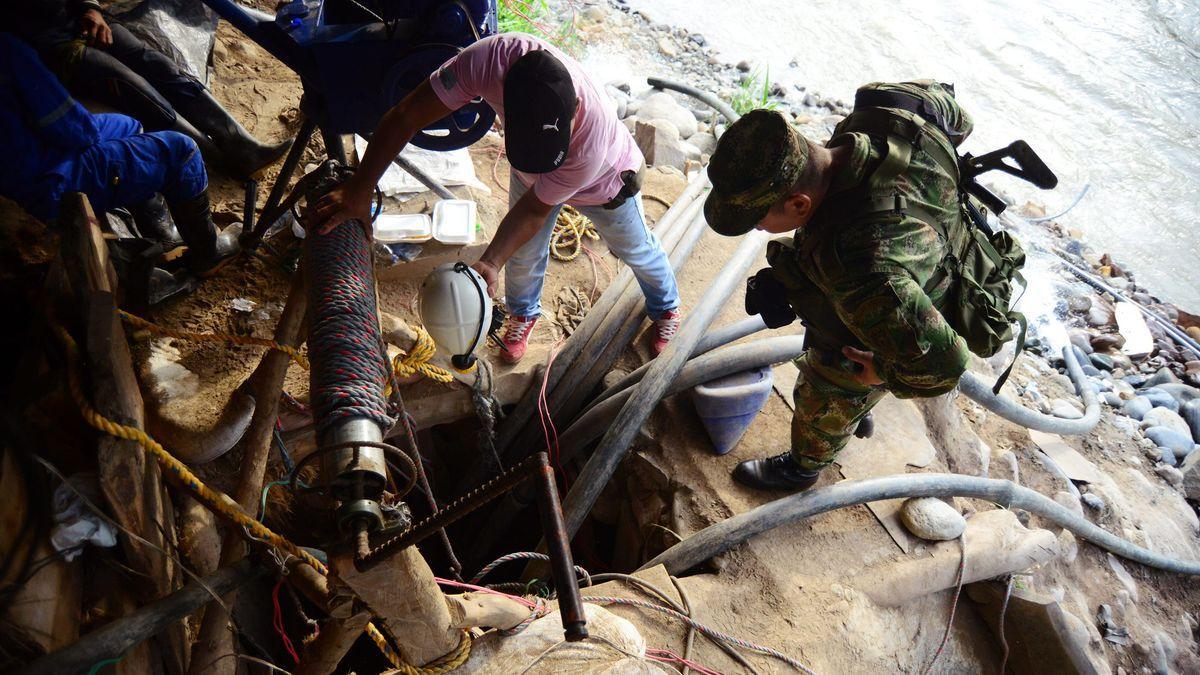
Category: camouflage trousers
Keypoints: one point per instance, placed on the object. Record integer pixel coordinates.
(829, 405)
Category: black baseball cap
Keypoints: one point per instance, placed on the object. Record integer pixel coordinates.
(539, 104)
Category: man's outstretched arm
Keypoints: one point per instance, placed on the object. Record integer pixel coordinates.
(352, 199)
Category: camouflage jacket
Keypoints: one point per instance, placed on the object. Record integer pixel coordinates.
(858, 276)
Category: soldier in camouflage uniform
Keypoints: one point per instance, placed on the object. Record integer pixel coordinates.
(874, 214)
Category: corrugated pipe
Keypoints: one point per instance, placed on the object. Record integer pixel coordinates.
(1014, 412)
(721, 537)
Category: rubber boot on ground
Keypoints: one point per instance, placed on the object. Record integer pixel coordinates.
(208, 250)
(241, 154)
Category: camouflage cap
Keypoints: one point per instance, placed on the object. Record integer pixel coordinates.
(756, 163)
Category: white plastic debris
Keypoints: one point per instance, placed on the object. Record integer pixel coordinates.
(75, 522)
(450, 168)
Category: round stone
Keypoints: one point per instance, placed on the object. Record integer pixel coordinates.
(932, 519)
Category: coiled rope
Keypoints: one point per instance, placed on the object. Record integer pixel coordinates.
(349, 369)
(570, 229)
(139, 322)
(223, 505)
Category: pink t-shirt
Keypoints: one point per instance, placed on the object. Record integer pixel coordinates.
(601, 147)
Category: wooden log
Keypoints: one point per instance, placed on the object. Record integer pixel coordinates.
(215, 641)
(132, 484)
(121, 635)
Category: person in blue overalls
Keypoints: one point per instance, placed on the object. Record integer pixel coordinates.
(100, 60)
(52, 146)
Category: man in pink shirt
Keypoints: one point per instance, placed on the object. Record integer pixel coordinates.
(565, 146)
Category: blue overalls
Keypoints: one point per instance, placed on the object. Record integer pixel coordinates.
(50, 146)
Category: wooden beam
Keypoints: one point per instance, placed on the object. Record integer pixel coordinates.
(132, 484)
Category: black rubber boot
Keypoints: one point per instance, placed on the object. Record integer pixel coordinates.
(208, 150)
(242, 154)
(208, 250)
(153, 221)
(780, 472)
(163, 286)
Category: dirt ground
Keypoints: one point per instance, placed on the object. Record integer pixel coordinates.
(794, 590)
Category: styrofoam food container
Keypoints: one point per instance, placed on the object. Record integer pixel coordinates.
(454, 221)
(398, 228)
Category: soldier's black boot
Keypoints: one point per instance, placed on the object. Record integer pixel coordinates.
(153, 222)
(208, 250)
(866, 426)
(242, 154)
(780, 472)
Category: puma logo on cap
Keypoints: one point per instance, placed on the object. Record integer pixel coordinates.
(547, 127)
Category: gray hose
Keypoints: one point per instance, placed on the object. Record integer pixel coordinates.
(663, 369)
(713, 339)
(1078, 198)
(726, 534)
(702, 96)
(197, 447)
(1016, 413)
(738, 358)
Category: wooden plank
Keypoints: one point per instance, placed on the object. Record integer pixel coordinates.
(131, 482)
(1076, 466)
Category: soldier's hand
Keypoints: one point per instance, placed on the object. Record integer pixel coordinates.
(867, 376)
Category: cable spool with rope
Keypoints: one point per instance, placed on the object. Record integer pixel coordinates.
(349, 367)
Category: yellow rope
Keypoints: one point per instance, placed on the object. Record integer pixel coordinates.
(570, 229)
(443, 664)
(218, 502)
(417, 360)
(139, 322)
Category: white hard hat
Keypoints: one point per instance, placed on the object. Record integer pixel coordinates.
(456, 310)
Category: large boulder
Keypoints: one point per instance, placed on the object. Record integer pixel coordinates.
(1179, 445)
(663, 105)
(1165, 417)
(1191, 476)
(1137, 407)
(659, 142)
(1191, 415)
(1161, 399)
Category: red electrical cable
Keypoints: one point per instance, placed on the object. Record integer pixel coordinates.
(277, 621)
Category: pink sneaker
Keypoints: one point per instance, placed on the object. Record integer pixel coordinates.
(665, 328)
(516, 337)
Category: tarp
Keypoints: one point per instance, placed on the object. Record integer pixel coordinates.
(184, 30)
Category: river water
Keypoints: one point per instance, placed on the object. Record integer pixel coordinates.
(1107, 92)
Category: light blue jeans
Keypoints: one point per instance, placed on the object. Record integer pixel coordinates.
(623, 230)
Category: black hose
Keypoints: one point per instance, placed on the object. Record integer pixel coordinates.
(700, 95)
(663, 370)
(721, 537)
(975, 389)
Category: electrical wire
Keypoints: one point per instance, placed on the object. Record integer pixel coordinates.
(277, 623)
(1003, 611)
(962, 567)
